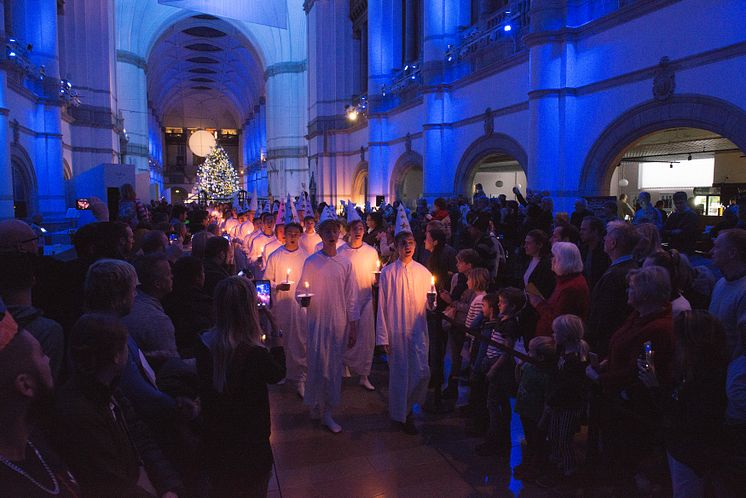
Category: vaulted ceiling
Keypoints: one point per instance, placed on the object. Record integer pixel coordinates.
(203, 73)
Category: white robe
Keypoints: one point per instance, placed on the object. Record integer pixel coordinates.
(332, 308)
(230, 225)
(271, 247)
(402, 325)
(257, 246)
(309, 241)
(360, 357)
(243, 229)
(286, 310)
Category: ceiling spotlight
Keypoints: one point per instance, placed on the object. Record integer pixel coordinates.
(690, 157)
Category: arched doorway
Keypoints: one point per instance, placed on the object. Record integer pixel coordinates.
(496, 161)
(360, 184)
(407, 179)
(24, 183)
(710, 168)
(678, 112)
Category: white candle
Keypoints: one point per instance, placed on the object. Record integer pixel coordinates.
(287, 276)
(378, 265)
(306, 286)
(432, 284)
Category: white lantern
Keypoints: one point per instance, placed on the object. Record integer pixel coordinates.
(201, 142)
(623, 182)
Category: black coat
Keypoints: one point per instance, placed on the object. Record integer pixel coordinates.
(100, 437)
(609, 308)
(599, 263)
(237, 421)
(191, 312)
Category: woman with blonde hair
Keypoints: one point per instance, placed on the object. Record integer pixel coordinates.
(649, 244)
(235, 367)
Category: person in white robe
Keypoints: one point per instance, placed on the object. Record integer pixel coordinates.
(364, 259)
(279, 239)
(310, 239)
(262, 239)
(402, 329)
(332, 318)
(285, 265)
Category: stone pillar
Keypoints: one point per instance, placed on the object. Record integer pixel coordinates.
(6, 174)
(550, 108)
(90, 63)
(286, 119)
(132, 95)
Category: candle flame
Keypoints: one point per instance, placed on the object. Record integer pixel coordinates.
(306, 285)
(432, 280)
(378, 265)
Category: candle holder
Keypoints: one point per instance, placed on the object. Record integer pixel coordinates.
(305, 300)
(431, 299)
(284, 286)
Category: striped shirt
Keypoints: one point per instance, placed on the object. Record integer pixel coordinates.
(475, 310)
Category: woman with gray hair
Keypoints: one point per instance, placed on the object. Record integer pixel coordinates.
(648, 331)
(571, 294)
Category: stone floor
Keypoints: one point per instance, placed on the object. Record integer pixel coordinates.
(370, 458)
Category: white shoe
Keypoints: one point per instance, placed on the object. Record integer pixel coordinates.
(330, 424)
(302, 389)
(346, 373)
(366, 383)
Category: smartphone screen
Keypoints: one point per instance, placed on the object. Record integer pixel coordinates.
(82, 204)
(263, 293)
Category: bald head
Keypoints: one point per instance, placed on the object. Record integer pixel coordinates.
(17, 236)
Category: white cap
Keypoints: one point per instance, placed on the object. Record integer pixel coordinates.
(352, 213)
(254, 204)
(327, 214)
(402, 223)
(280, 217)
(291, 215)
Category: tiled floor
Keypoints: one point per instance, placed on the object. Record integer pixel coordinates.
(371, 459)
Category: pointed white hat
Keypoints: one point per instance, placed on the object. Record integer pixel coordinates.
(402, 223)
(254, 204)
(327, 214)
(291, 215)
(280, 215)
(352, 213)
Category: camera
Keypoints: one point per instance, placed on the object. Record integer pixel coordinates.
(82, 204)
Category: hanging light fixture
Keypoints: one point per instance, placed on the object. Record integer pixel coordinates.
(623, 182)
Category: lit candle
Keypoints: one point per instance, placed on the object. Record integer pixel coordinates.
(432, 284)
(287, 276)
(306, 286)
(378, 265)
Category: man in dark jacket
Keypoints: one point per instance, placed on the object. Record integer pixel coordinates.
(682, 228)
(581, 212)
(595, 259)
(609, 308)
(217, 254)
(96, 429)
(188, 305)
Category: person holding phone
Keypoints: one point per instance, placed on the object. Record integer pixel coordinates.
(692, 408)
(234, 368)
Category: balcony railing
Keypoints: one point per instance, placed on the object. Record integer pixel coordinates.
(405, 86)
(494, 38)
(18, 56)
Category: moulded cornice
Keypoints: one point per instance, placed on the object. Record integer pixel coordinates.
(130, 58)
(285, 67)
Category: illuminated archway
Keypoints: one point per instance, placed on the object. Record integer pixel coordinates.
(495, 160)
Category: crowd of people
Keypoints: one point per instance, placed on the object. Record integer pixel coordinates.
(141, 367)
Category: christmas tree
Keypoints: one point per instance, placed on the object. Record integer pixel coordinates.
(217, 176)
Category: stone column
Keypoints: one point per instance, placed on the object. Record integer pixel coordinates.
(132, 95)
(6, 174)
(550, 107)
(286, 118)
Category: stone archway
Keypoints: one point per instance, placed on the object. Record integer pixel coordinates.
(25, 186)
(360, 191)
(494, 143)
(408, 163)
(692, 111)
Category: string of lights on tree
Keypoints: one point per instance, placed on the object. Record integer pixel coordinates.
(217, 176)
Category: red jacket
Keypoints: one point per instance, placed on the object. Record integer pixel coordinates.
(570, 296)
(625, 346)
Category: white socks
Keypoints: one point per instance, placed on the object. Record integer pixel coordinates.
(366, 383)
(329, 422)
